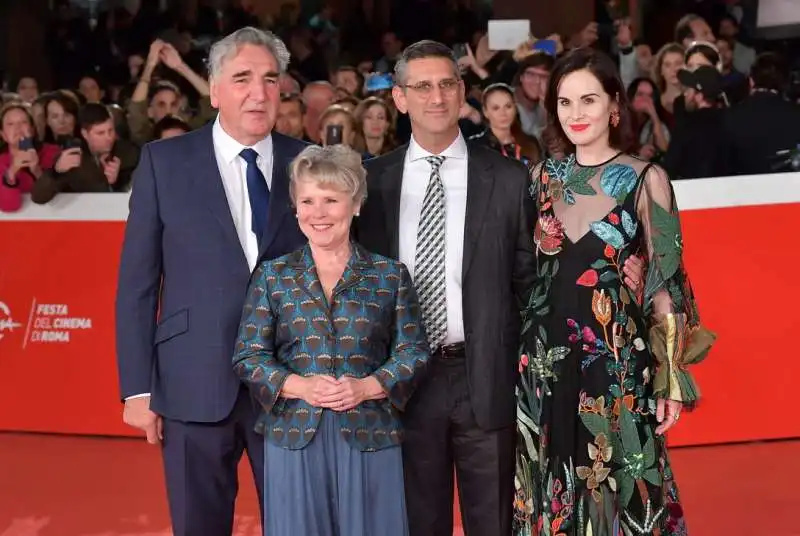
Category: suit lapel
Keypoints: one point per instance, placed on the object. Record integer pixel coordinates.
(207, 185)
(480, 182)
(279, 202)
(392, 182)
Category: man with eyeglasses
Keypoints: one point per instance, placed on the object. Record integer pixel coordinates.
(460, 218)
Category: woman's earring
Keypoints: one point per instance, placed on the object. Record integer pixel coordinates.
(614, 120)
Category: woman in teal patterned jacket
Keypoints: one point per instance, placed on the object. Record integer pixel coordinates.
(331, 345)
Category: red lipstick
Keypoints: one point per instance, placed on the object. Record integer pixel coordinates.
(579, 127)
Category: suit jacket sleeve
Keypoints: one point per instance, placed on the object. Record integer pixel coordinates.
(139, 283)
(409, 353)
(524, 271)
(254, 360)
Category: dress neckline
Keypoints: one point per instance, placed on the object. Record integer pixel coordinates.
(600, 164)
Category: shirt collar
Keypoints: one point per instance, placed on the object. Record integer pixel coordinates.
(457, 150)
(229, 148)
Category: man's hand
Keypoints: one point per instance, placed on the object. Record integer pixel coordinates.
(137, 414)
(67, 160)
(111, 169)
(634, 276)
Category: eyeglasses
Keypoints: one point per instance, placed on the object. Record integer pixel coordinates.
(447, 86)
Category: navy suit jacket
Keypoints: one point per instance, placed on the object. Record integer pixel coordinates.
(183, 276)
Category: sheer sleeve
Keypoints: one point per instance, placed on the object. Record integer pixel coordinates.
(677, 339)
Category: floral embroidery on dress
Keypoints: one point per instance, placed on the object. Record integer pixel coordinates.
(596, 468)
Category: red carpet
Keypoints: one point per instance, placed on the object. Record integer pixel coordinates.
(77, 486)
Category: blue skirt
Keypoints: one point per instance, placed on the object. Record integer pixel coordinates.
(330, 488)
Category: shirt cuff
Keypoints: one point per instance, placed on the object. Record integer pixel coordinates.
(142, 395)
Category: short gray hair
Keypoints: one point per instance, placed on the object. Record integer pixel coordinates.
(420, 50)
(230, 44)
(337, 167)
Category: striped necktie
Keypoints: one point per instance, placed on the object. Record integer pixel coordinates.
(430, 257)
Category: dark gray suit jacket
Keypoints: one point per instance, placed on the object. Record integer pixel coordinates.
(498, 271)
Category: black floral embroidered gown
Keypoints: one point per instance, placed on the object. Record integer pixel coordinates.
(595, 358)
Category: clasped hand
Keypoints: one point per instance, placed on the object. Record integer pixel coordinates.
(340, 394)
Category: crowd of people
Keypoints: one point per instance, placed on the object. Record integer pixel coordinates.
(695, 101)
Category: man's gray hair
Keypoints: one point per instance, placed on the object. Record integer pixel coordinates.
(421, 50)
(230, 44)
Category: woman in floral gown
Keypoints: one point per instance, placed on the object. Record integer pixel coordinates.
(603, 372)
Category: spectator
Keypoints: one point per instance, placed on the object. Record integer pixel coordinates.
(765, 122)
(392, 47)
(317, 96)
(92, 90)
(652, 133)
(743, 55)
(349, 80)
(290, 116)
(39, 116)
(150, 103)
(61, 113)
(702, 53)
(23, 159)
(692, 28)
(375, 125)
(735, 82)
(669, 60)
(337, 116)
(28, 89)
(532, 78)
(699, 145)
(504, 130)
(103, 163)
(170, 126)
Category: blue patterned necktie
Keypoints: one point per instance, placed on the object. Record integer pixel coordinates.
(258, 191)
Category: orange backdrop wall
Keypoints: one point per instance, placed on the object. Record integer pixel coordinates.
(58, 282)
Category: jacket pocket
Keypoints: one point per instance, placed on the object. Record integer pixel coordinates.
(172, 326)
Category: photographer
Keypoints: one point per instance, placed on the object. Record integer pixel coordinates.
(700, 146)
(98, 163)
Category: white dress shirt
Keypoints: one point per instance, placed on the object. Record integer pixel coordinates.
(233, 170)
(416, 175)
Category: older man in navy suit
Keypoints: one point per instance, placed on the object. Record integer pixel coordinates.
(206, 207)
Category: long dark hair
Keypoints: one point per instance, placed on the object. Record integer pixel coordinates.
(528, 145)
(637, 123)
(604, 69)
(69, 105)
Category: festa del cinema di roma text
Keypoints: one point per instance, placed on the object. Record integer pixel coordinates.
(52, 323)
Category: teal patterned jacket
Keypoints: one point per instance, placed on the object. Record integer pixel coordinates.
(373, 327)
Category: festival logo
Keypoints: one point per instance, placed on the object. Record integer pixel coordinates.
(7, 323)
